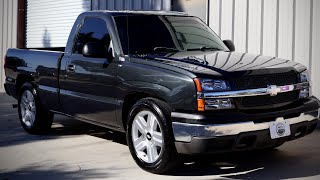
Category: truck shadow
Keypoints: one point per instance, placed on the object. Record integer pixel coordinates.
(66, 126)
(11, 132)
(59, 171)
(275, 164)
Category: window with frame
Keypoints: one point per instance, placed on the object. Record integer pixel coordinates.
(93, 30)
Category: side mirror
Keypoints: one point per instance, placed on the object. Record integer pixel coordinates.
(94, 50)
(230, 45)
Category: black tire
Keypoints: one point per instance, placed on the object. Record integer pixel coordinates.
(169, 158)
(43, 118)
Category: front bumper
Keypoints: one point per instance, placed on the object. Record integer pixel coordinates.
(206, 137)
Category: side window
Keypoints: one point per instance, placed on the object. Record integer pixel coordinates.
(93, 30)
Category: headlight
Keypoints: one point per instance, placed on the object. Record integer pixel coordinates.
(214, 85)
(205, 85)
(305, 77)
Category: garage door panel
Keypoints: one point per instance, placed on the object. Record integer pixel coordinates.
(48, 22)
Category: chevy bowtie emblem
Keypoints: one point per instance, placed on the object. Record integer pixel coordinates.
(273, 90)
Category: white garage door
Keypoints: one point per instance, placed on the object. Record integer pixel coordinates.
(48, 22)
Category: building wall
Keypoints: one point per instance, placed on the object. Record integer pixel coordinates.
(287, 29)
(8, 31)
(131, 4)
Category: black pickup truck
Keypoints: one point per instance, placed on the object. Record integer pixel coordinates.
(168, 81)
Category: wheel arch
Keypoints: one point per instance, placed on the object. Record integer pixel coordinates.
(21, 80)
(130, 99)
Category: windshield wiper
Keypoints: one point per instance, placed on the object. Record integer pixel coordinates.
(155, 50)
(165, 49)
(198, 60)
(204, 48)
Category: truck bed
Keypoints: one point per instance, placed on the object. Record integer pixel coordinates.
(57, 49)
(42, 66)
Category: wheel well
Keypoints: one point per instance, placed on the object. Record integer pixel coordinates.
(21, 79)
(130, 100)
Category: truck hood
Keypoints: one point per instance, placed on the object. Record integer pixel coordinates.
(220, 63)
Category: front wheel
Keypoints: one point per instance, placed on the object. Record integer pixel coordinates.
(33, 117)
(150, 138)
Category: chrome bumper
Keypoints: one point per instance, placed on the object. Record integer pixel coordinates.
(184, 132)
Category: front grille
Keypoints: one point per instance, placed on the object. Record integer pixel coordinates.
(264, 81)
(267, 100)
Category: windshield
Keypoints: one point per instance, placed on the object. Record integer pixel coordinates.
(153, 33)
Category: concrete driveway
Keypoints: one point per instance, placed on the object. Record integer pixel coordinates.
(76, 150)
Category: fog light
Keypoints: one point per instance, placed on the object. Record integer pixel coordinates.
(212, 104)
(304, 93)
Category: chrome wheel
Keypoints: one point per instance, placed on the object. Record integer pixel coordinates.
(147, 136)
(28, 108)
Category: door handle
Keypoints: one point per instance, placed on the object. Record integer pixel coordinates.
(71, 68)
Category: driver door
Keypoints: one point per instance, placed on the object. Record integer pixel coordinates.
(87, 82)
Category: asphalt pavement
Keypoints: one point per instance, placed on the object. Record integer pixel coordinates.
(76, 150)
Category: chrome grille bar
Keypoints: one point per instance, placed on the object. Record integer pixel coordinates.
(271, 90)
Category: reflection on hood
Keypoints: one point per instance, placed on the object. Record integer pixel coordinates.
(222, 62)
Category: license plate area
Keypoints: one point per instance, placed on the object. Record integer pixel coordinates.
(279, 128)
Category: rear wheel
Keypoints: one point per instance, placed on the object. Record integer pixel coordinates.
(34, 119)
(150, 138)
